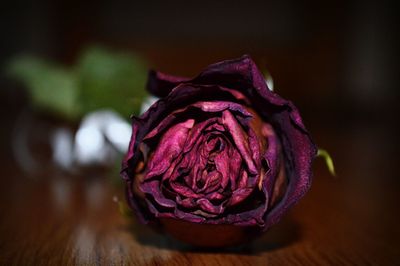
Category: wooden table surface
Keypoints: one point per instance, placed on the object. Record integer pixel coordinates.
(59, 219)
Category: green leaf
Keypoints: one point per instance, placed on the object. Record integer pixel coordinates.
(51, 87)
(100, 79)
(328, 160)
(111, 80)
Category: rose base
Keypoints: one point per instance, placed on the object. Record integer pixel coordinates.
(209, 235)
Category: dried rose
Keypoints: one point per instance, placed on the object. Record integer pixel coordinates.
(219, 157)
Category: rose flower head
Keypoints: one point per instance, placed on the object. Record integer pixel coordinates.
(219, 158)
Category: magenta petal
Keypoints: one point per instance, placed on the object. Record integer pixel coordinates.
(254, 144)
(299, 152)
(156, 212)
(198, 131)
(215, 196)
(187, 216)
(163, 125)
(255, 216)
(169, 148)
(153, 188)
(240, 139)
(185, 191)
(239, 74)
(199, 165)
(126, 171)
(239, 195)
(207, 206)
(218, 106)
(243, 182)
(160, 84)
(236, 73)
(271, 156)
(205, 106)
(235, 163)
(186, 203)
(222, 165)
(212, 182)
(248, 218)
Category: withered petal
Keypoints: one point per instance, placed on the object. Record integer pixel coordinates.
(240, 139)
(170, 147)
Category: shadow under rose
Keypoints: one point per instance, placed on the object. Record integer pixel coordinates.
(283, 234)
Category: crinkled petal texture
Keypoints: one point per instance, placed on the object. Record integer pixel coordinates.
(220, 148)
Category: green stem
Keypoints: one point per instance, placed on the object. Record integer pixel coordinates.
(328, 160)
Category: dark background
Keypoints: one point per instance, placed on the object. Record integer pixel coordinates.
(337, 57)
(336, 60)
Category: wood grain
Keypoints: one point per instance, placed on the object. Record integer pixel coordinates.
(59, 219)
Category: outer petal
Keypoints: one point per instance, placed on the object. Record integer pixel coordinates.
(160, 84)
(229, 73)
(271, 156)
(298, 154)
(239, 74)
